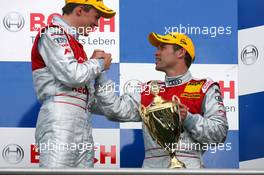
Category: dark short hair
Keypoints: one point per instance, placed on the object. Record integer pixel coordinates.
(68, 8)
(188, 59)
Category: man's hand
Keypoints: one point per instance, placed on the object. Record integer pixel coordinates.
(107, 61)
(183, 111)
(101, 54)
(97, 54)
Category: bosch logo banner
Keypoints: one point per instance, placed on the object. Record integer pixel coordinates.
(13, 154)
(105, 154)
(14, 22)
(39, 20)
(104, 35)
(21, 25)
(249, 55)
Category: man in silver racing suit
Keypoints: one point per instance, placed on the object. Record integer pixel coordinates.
(201, 108)
(62, 77)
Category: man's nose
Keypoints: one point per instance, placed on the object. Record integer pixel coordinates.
(157, 53)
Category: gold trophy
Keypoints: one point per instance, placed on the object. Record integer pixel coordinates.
(163, 121)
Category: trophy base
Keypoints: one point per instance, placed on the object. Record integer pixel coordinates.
(175, 163)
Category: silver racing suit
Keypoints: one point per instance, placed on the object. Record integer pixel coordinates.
(211, 127)
(63, 84)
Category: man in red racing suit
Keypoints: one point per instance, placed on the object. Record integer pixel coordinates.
(201, 108)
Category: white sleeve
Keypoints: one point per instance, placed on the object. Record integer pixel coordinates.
(212, 126)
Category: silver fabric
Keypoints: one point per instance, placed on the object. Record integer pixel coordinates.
(210, 128)
(64, 118)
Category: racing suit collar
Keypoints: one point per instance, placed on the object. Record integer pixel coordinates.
(69, 29)
(178, 80)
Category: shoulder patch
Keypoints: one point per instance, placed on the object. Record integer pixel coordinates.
(207, 84)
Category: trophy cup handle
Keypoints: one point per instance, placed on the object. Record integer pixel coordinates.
(175, 98)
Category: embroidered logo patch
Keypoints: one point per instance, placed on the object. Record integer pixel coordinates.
(193, 87)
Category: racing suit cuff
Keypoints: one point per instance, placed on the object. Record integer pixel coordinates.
(101, 64)
(189, 121)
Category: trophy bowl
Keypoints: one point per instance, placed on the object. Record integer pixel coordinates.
(163, 121)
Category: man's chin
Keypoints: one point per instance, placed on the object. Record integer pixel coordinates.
(157, 68)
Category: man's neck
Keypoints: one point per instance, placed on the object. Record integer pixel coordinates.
(70, 21)
(176, 72)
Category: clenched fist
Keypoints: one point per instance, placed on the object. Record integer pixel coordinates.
(97, 54)
(101, 54)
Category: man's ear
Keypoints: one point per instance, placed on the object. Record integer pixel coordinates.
(78, 10)
(181, 53)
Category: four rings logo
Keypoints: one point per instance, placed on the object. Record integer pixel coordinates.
(14, 22)
(13, 154)
(249, 55)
